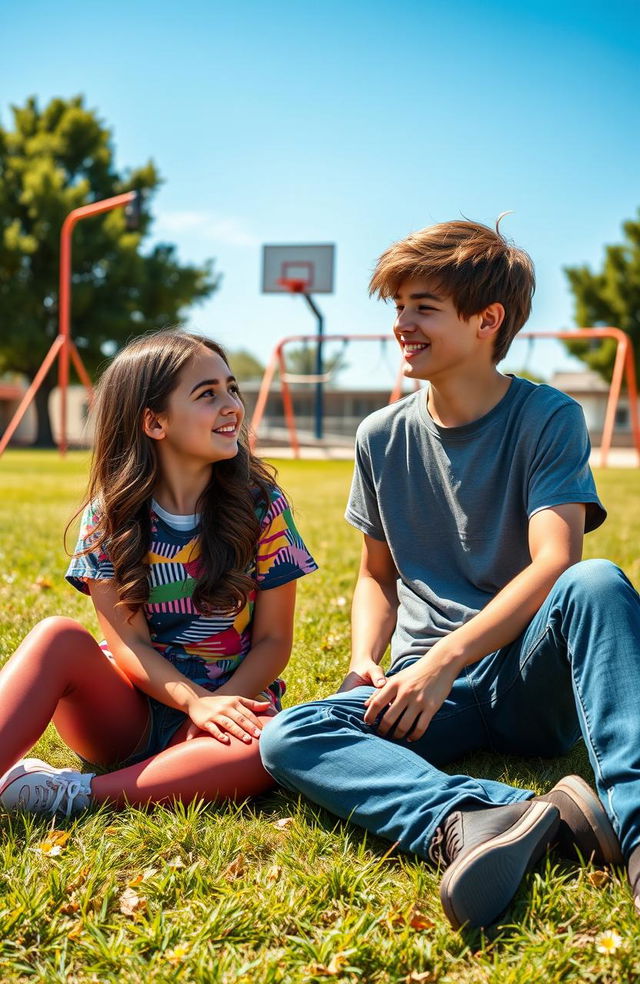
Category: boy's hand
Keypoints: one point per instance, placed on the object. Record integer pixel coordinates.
(408, 701)
(364, 673)
(222, 716)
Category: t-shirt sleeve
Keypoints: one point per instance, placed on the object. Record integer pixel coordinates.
(281, 555)
(362, 507)
(93, 565)
(560, 472)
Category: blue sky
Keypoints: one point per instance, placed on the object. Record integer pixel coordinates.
(353, 123)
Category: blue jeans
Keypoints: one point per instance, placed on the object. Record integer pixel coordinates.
(574, 671)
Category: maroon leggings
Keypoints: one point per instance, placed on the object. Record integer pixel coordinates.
(60, 674)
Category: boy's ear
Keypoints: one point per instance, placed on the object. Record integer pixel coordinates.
(152, 426)
(490, 320)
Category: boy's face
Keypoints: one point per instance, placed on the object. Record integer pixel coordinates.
(435, 341)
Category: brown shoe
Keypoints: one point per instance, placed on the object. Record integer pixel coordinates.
(585, 829)
(487, 853)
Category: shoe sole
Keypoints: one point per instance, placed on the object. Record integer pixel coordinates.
(478, 887)
(588, 803)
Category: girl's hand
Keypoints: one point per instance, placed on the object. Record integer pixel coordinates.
(222, 716)
(364, 673)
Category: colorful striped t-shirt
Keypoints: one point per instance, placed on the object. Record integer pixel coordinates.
(205, 648)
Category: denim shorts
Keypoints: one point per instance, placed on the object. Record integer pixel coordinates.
(164, 721)
(162, 725)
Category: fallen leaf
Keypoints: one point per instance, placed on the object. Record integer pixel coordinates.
(79, 879)
(283, 823)
(337, 962)
(274, 873)
(69, 908)
(42, 583)
(335, 966)
(135, 881)
(418, 920)
(131, 903)
(235, 869)
(176, 862)
(75, 931)
(420, 978)
(415, 918)
(598, 878)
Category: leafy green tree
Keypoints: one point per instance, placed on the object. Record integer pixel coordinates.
(245, 366)
(56, 159)
(610, 297)
(301, 361)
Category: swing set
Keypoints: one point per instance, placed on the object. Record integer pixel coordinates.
(623, 370)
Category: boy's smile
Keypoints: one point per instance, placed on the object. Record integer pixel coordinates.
(431, 334)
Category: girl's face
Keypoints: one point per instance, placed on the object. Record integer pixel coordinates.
(204, 413)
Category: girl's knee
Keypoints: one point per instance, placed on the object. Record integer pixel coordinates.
(57, 636)
(56, 626)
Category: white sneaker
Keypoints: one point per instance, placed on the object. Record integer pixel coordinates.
(36, 786)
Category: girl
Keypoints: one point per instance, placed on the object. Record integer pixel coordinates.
(190, 554)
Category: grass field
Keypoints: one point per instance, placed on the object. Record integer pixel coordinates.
(272, 891)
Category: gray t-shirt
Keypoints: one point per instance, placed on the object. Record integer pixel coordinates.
(453, 503)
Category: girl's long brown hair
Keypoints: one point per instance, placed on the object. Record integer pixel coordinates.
(125, 471)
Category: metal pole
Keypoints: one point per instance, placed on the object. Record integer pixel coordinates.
(64, 304)
(319, 400)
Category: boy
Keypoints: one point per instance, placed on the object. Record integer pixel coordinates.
(473, 497)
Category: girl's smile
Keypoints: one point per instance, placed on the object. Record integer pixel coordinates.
(204, 414)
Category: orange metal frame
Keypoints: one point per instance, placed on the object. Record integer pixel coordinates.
(624, 368)
(63, 346)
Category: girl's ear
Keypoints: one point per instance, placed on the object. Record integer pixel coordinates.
(152, 426)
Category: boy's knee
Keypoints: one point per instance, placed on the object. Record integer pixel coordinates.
(593, 580)
(280, 733)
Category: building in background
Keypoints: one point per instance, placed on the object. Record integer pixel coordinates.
(344, 409)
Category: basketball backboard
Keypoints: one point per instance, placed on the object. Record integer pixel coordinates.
(300, 268)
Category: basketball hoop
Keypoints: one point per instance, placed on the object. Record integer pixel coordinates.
(294, 286)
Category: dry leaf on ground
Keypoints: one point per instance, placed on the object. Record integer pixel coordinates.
(235, 869)
(598, 878)
(131, 903)
(283, 823)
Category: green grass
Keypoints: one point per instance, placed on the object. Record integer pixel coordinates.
(226, 893)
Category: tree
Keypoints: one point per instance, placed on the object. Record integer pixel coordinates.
(245, 367)
(301, 361)
(56, 159)
(609, 298)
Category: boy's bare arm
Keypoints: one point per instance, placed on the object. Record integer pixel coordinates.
(414, 695)
(373, 614)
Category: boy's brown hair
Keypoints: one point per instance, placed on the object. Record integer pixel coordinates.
(470, 263)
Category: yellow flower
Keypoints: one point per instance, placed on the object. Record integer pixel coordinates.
(608, 942)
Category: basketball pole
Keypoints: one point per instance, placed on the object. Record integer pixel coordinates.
(319, 395)
(63, 348)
